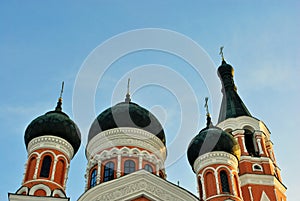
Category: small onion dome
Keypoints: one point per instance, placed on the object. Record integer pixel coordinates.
(55, 123)
(127, 114)
(212, 139)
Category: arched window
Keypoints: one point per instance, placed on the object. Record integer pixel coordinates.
(250, 143)
(93, 180)
(30, 168)
(210, 184)
(148, 168)
(108, 171)
(129, 167)
(46, 164)
(224, 182)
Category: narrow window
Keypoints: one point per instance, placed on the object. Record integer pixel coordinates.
(250, 143)
(108, 171)
(45, 170)
(129, 167)
(148, 168)
(93, 180)
(224, 182)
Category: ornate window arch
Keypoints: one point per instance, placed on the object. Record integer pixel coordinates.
(46, 166)
(93, 178)
(108, 173)
(129, 167)
(224, 182)
(148, 168)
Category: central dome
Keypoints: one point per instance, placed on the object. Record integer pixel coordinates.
(127, 114)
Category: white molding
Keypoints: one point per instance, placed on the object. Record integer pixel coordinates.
(34, 188)
(125, 136)
(258, 179)
(15, 197)
(22, 190)
(242, 122)
(59, 193)
(257, 170)
(43, 181)
(137, 184)
(215, 157)
(264, 197)
(52, 142)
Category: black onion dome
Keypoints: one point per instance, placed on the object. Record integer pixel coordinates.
(212, 139)
(127, 114)
(232, 105)
(55, 123)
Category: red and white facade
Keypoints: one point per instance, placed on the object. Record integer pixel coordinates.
(128, 163)
(259, 173)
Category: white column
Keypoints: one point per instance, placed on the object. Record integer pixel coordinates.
(157, 169)
(66, 175)
(250, 192)
(233, 183)
(53, 169)
(37, 167)
(259, 146)
(217, 181)
(243, 143)
(119, 166)
(99, 172)
(140, 162)
(203, 188)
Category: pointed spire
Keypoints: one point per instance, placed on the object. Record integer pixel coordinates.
(232, 105)
(59, 102)
(221, 53)
(208, 118)
(128, 99)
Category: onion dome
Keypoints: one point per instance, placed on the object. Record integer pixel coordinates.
(55, 123)
(127, 114)
(211, 139)
(232, 105)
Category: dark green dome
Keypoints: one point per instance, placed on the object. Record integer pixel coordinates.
(212, 139)
(127, 114)
(55, 123)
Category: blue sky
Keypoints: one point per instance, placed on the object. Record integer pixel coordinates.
(45, 42)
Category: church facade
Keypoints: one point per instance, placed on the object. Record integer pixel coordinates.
(126, 152)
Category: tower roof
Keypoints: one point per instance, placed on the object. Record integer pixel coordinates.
(56, 123)
(232, 105)
(211, 139)
(127, 114)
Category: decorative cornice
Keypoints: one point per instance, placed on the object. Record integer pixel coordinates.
(242, 122)
(258, 179)
(126, 137)
(215, 157)
(135, 184)
(127, 152)
(52, 142)
(15, 197)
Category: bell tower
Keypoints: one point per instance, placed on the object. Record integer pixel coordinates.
(51, 141)
(213, 155)
(258, 171)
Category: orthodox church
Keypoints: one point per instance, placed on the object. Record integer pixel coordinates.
(126, 151)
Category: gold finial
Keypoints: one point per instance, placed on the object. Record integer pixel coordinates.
(206, 106)
(127, 99)
(221, 52)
